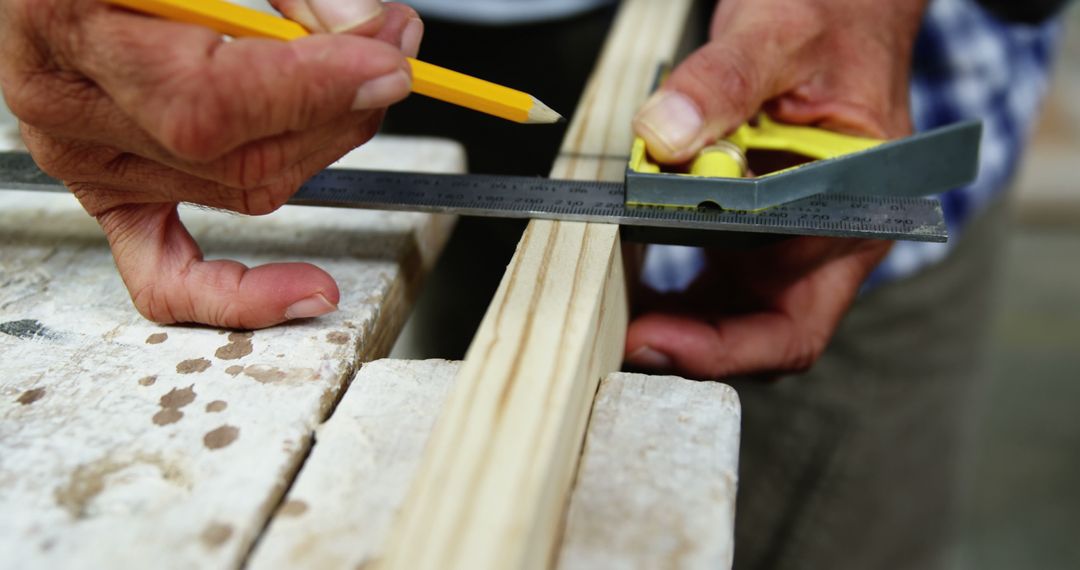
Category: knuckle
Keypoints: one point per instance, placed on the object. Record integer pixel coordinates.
(255, 166)
(41, 41)
(194, 128)
(153, 305)
(123, 236)
(366, 130)
(722, 80)
(84, 170)
(224, 307)
(302, 107)
(57, 102)
(806, 351)
(269, 198)
(406, 10)
(95, 199)
(708, 63)
(800, 366)
(265, 199)
(57, 159)
(734, 77)
(29, 109)
(720, 364)
(227, 314)
(741, 78)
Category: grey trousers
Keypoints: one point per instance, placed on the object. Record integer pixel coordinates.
(855, 464)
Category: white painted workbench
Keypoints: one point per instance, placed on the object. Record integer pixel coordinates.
(124, 444)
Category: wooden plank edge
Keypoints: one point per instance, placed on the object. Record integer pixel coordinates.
(461, 507)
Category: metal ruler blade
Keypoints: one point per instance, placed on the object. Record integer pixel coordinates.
(880, 217)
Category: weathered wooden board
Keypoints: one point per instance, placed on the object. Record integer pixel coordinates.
(124, 443)
(340, 510)
(496, 475)
(657, 480)
(656, 487)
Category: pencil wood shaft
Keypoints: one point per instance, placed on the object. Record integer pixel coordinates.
(429, 80)
(467, 91)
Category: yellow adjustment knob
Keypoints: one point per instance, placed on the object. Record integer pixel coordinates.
(723, 159)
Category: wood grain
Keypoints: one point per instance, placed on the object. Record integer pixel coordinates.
(517, 405)
(494, 482)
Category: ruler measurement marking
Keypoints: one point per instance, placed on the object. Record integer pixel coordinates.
(896, 217)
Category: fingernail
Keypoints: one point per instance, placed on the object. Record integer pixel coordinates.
(341, 15)
(645, 357)
(670, 122)
(313, 306)
(382, 91)
(301, 13)
(411, 36)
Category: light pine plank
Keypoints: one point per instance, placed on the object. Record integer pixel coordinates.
(127, 444)
(656, 485)
(493, 485)
(489, 494)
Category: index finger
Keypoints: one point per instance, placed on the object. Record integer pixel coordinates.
(201, 96)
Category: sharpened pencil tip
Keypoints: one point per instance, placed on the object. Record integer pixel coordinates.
(542, 114)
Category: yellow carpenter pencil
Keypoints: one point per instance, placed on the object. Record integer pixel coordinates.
(429, 80)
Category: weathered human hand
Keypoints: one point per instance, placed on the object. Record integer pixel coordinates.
(762, 310)
(137, 114)
(838, 64)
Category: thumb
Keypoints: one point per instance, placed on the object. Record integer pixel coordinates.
(712, 92)
(169, 282)
(331, 15)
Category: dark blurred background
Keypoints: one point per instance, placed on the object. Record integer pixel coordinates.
(1022, 488)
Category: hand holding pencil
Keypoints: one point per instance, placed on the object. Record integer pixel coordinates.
(433, 81)
(137, 114)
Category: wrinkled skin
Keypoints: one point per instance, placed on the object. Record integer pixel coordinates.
(136, 114)
(839, 64)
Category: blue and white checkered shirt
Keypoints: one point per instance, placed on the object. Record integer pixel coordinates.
(968, 65)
